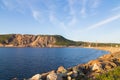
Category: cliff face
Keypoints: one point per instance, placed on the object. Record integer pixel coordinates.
(18, 40)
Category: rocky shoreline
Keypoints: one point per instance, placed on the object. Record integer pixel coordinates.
(84, 71)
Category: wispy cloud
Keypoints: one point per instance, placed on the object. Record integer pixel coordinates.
(67, 27)
(71, 3)
(106, 21)
(61, 25)
(7, 4)
(73, 20)
(89, 29)
(36, 15)
(89, 5)
(23, 6)
(116, 8)
(1, 5)
(83, 12)
(55, 21)
(95, 3)
(14, 5)
(52, 18)
(83, 9)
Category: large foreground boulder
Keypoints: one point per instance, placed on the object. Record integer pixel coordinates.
(52, 76)
(97, 67)
(36, 77)
(61, 69)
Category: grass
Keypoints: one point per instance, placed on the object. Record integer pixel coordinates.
(110, 75)
(62, 41)
(4, 38)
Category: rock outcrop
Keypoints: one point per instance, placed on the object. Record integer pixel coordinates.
(1, 45)
(32, 41)
(61, 69)
(51, 76)
(36, 77)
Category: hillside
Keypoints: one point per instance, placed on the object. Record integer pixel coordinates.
(18, 40)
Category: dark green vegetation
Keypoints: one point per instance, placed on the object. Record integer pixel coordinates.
(92, 44)
(5, 38)
(113, 74)
(110, 75)
(63, 41)
(60, 40)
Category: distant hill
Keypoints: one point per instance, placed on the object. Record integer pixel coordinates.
(18, 40)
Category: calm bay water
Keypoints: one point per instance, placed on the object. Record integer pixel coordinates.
(26, 62)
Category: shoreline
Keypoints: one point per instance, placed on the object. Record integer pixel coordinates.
(84, 71)
(54, 46)
(88, 70)
(110, 49)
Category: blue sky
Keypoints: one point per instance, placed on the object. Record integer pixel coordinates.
(79, 20)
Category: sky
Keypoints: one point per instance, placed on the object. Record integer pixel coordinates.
(78, 20)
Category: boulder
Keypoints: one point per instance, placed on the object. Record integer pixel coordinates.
(52, 76)
(109, 65)
(36, 77)
(1, 45)
(107, 56)
(69, 73)
(69, 78)
(80, 73)
(97, 67)
(92, 62)
(44, 75)
(15, 79)
(60, 76)
(76, 68)
(61, 69)
(75, 74)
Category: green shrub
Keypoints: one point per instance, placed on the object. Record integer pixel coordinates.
(110, 75)
(4, 38)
